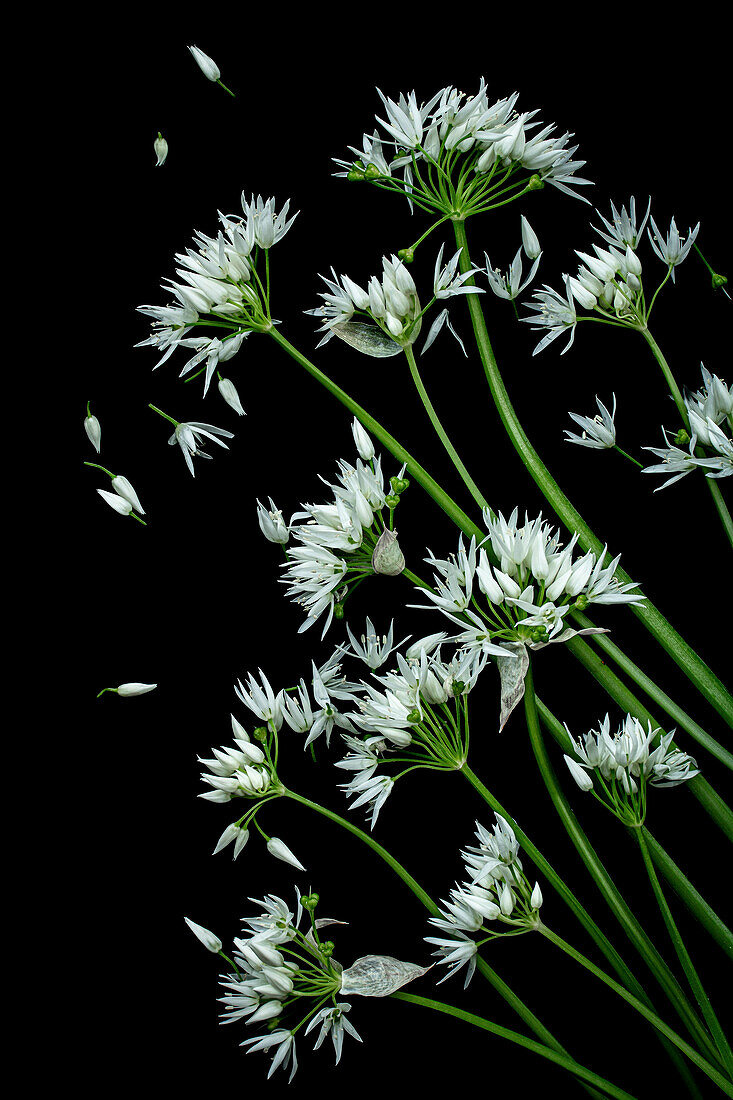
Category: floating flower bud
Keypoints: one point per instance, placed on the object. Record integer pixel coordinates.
(208, 67)
(228, 391)
(134, 689)
(93, 429)
(387, 557)
(124, 489)
(378, 976)
(208, 939)
(279, 850)
(124, 507)
(160, 146)
(530, 242)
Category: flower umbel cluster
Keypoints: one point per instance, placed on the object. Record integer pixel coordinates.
(415, 716)
(618, 767)
(708, 445)
(497, 899)
(609, 280)
(341, 542)
(277, 970)
(221, 286)
(461, 155)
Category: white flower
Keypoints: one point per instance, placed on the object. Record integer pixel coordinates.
(266, 227)
(280, 850)
(160, 147)
(372, 649)
(675, 460)
(622, 230)
(208, 939)
(285, 1053)
(261, 699)
(134, 689)
(228, 391)
(124, 507)
(555, 313)
(598, 432)
(125, 490)
(272, 524)
(333, 1022)
(530, 241)
(674, 249)
(362, 441)
(208, 67)
(579, 773)
(448, 281)
(93, 429)
(188, 437)
(510, 285)
(233, 833)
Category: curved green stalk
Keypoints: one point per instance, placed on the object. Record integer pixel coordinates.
(682, 886)
(592, 1078)
(421, 476)
(687, 893)
(441, 432)
(714, 805)
(686, 963)
(701, 1063)
(660, 697)
(603, 880)
(688, 660)
(488, 972)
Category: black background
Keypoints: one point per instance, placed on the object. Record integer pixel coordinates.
(192, 600)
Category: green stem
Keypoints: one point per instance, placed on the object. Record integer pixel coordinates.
(421, 476)
(682, 886)
(514, 1037)
(603, 880)
(631, 458)
(441, 432)
(718, 501)
(686, 963)
(696, 1058)
(487, 971)
(688, 660)
(706, 795)
(640, 678)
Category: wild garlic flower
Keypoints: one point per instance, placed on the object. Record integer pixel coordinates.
(278, 970)
(131, 689)
(240, 771)
(373, 649)
(555, 313)
(496, 899)
(390, 305)
(623, 230)
(228, 391)
(492, 148)
(599, 432)
(414, 715)
(160, 147)
(510, 285)
(189, 435)
(272, 523)
(617, 767)
(220, 286)
(334, 548)
(93, 429)
(673, 248)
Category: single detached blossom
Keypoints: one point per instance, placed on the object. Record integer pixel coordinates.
(118, 503)
(208, 67)
(130, 689)
(599, 432)
(93, 429)
(160, 147)
(188, 436)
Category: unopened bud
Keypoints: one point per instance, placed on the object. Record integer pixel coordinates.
(160, 147)
(407, 255)
(535, 183)
(387, 558)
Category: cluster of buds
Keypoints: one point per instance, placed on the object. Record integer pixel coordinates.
(497, 899)
(609, 281)
(341, 542)
(618, 767)
(219, 286)
(277, 969)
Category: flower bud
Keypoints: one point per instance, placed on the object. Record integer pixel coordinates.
(208, 67)
(580, 775)
(135, 689)
(160, 147)
(387, 557)
(228, 391)
(530, 242)
(124, 507)
(94, 430)
(208, 939)
(279, 850)
(124, 489)
(364, 445)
